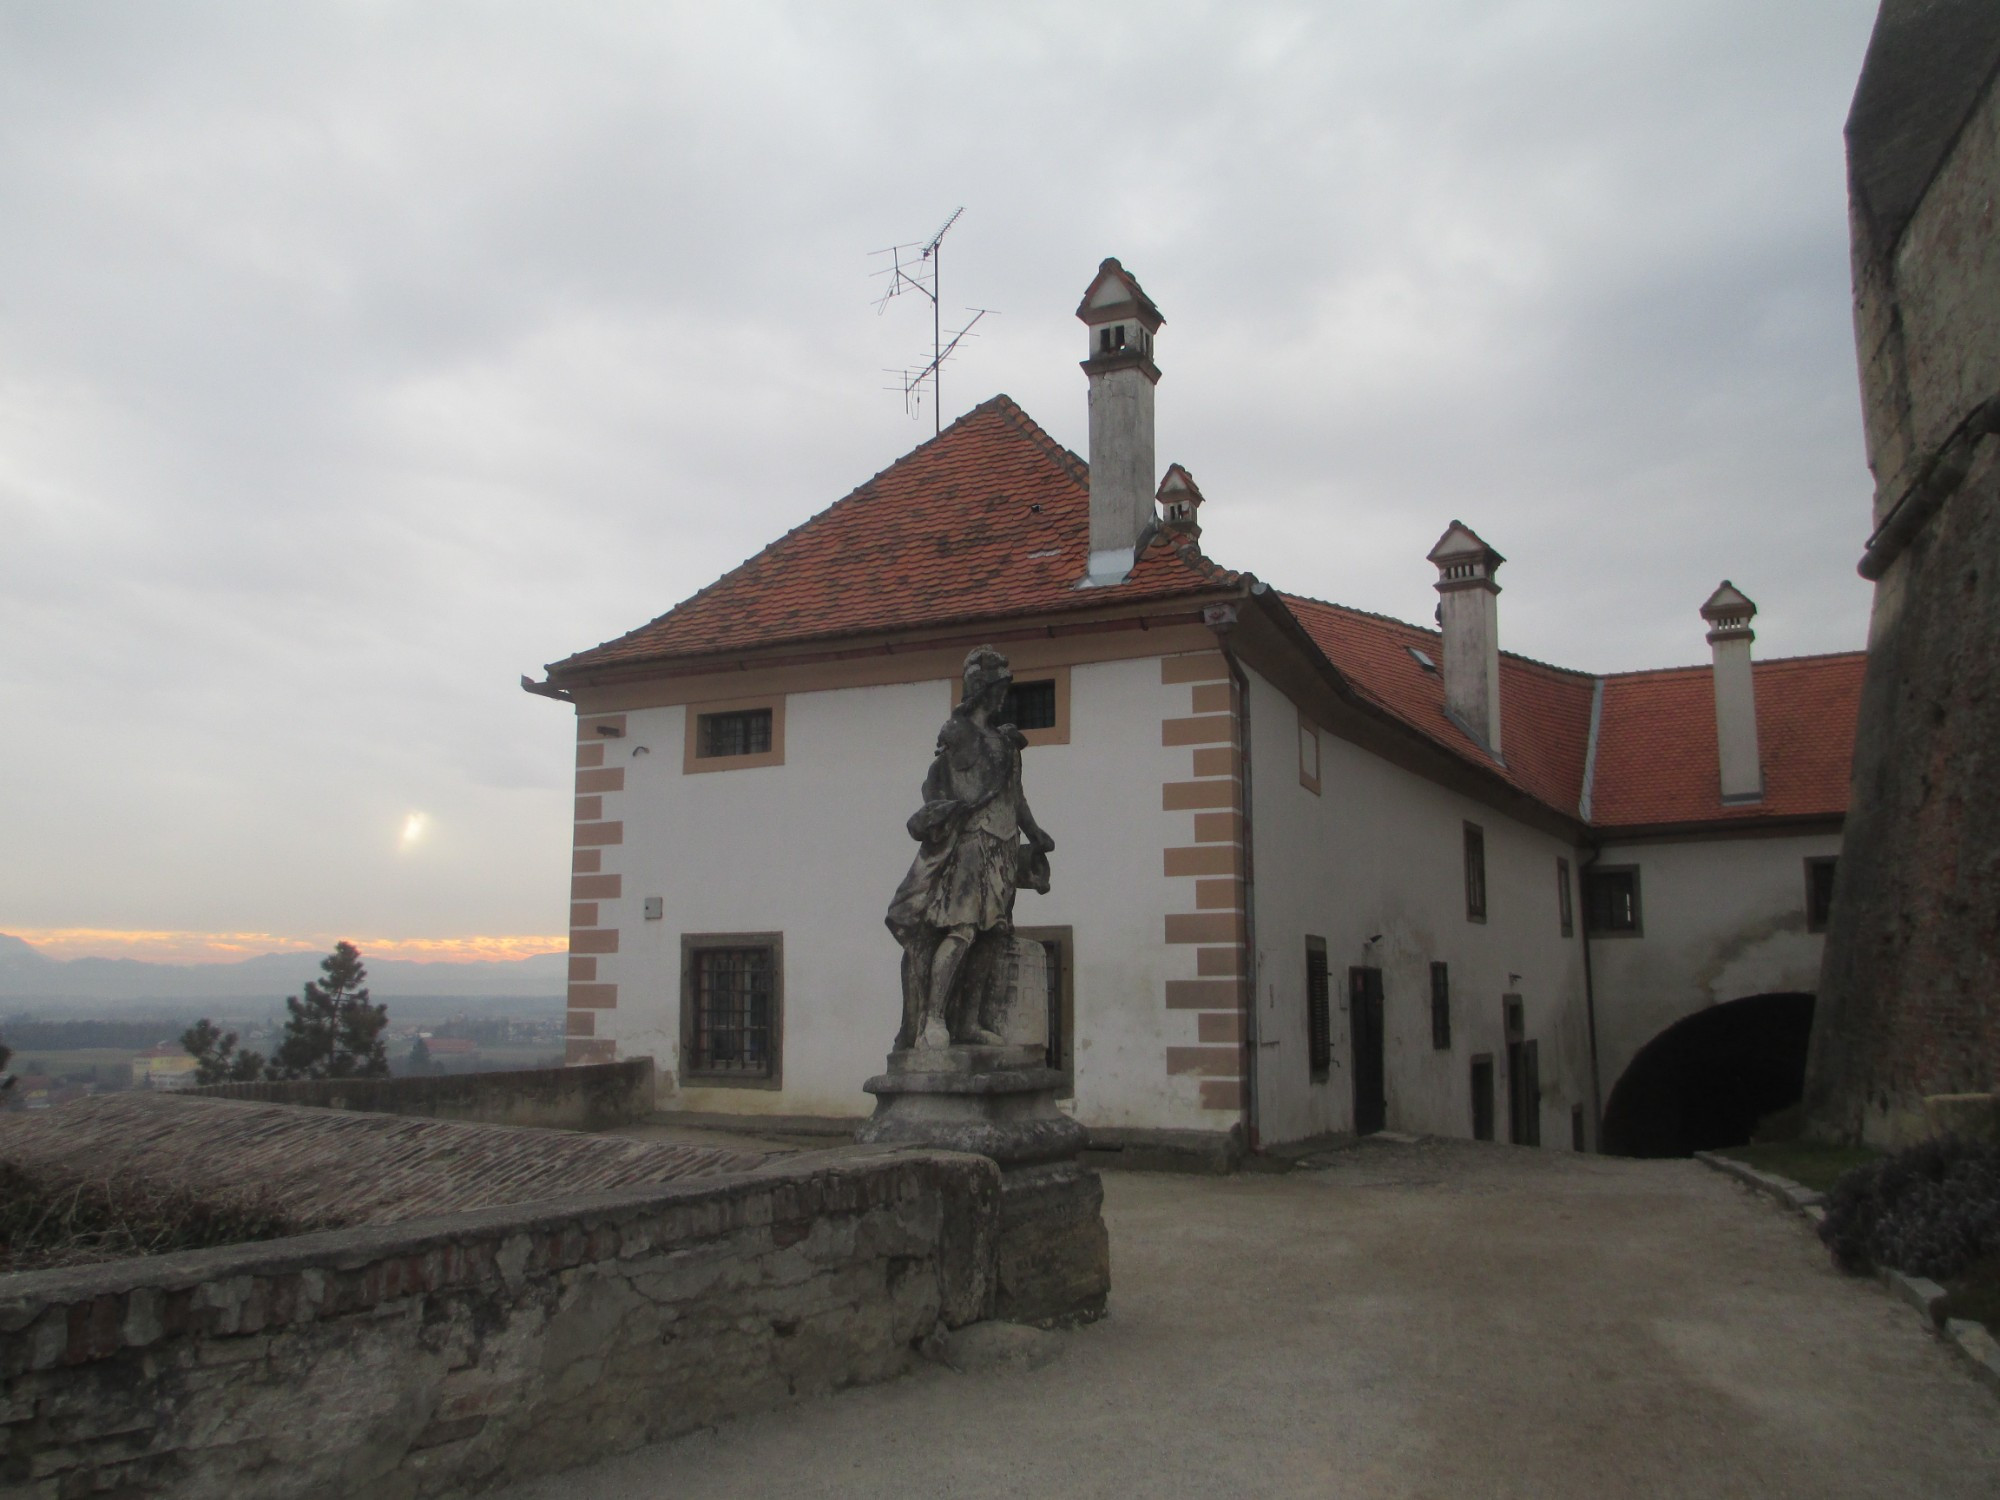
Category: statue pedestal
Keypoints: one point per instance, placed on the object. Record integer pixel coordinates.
(1000, 1102)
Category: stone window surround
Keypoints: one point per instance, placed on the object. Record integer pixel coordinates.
(692, 760)
(1309, 763)
(1638, 927)
(693, 943)
(1474, 836)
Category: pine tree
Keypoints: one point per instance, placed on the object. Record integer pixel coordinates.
(6, 1078)
(333, 1031)
(419, 1062)
(216, 1057)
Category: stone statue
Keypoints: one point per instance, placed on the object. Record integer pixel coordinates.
(978, 843)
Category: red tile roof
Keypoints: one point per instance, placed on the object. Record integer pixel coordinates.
(988, 520)
(1656, 754)
(1544, 710)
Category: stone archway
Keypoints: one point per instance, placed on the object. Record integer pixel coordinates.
(1705, 1081)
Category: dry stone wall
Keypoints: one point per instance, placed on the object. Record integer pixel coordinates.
(448, 1355)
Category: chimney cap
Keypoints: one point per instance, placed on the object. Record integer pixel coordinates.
(1180, 502)
(1460, 541)
(1115, 293)
(1729, 612)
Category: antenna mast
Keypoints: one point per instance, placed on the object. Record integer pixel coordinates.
(915, 267)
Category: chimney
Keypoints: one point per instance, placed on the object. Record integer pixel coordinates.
(1122, 321)
(1729, 613)
(1180, 504)
(1469, 615)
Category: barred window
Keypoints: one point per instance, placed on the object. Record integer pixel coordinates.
(1475, 873)
(1440, 1007)
(744, 732)
(730, 1009)
(1611, 902)
(1031, 705)
(1319, 1011)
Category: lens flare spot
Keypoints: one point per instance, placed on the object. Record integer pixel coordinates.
(414, 828)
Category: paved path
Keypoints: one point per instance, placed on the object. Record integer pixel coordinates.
(1435, 1320)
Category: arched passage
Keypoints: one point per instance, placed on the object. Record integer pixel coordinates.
(1705, 1081)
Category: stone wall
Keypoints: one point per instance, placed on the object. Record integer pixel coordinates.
(597, 1096)
(453, 1354)
(1910, 986)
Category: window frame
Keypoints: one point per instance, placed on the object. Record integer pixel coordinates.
(1565, 898)
(693, 759)
(1440, 1005)
(1476, 903)
(1309, 765)
(1058, 732)
(1814, 863)
(1590, 927)
(1065, 1038)
(1319, 1013)
(694, 943)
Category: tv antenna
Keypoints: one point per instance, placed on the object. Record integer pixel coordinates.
(914, 267)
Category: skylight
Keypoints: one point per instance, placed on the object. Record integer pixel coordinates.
(1422, 660)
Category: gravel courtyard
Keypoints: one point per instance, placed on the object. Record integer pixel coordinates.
(1436, 1319)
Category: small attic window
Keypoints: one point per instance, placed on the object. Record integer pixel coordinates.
(1421, 659)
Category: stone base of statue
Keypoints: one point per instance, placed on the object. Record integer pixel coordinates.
(1054, 1257)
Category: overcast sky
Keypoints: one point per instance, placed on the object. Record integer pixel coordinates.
(357, 358)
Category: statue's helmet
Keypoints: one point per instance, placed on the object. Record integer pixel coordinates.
(984, 667)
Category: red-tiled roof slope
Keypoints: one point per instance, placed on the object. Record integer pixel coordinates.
(989, 519)
(1656, 755)
(1544, 710)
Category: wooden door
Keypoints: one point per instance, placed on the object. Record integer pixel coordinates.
(1364, 1025)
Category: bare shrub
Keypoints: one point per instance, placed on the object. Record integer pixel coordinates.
(1932, 1210)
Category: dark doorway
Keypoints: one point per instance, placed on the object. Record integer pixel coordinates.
(1705, 1082)
(1364, 1029)
(1482, 1098)
(1524, 1077)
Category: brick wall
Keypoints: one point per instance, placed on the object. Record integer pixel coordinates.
(455, 1354)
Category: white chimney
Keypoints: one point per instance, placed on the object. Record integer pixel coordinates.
(1729, 613)
(1122, 321)
(1469, 615)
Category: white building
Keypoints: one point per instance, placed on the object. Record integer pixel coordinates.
(1317, 870)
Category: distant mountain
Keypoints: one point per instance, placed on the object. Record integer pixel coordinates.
(26, 973)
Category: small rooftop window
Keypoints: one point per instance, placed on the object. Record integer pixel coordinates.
(1422, 660)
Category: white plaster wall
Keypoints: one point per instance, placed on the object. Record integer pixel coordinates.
(1720, 920)
(1381, 850)
(815, 848)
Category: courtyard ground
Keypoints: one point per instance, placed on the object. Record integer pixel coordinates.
(1429, 1319)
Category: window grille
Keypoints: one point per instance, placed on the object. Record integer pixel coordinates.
(733, 990)
(745, 732)
(1031, 705)
(1441, 1007)
(1319, 1011)
(1611, 901)
(1475, 873)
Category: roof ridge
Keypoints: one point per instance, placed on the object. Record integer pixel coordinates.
(1760, 662)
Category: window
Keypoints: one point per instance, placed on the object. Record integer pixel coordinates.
(735, 736)
(1441, 1007)
(1564, 907)
(747, 731)
(1031, 705)
(1308, 756)
(1058, 944)
(1819, 891)
(1037, 704)
(1576, 1127)
(1482, 1097)
(732, 987)
(1611, 902)
(1319, 1011)
(1475, 873)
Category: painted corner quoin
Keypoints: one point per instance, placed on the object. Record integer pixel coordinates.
(1213, 862)
(594, 881)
